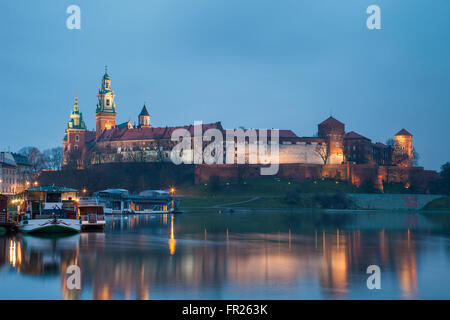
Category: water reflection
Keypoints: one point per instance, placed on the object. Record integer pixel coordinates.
(215, 256)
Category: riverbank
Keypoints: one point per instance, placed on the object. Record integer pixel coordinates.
(439, 204)
(317, 194)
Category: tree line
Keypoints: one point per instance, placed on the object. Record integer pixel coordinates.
(48, 159)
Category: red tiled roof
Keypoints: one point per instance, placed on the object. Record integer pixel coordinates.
(90, 136)
(403, 132)
(380, 145)
(281, 133)
(125, 134)
(354, 135)
(331, 122)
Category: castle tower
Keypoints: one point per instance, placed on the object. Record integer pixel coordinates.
(334, 131)
(144, 118)
(75, 137)
(105, 114)
(403, 150)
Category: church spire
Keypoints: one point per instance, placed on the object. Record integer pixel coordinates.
(144, 118)
(105, 113)
(76, 117)
(106, 95)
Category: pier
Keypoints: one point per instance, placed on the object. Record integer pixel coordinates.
(5, 223)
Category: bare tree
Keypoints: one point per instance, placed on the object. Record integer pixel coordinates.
(35, 157)
(416, 158)
(322, 151)
(54, 158)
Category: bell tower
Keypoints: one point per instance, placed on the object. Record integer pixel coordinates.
(144, 118)
(105, 113)
(74, 139)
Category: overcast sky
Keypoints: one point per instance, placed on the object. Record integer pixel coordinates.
(284, 64)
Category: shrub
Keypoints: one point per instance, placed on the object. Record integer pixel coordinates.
(333, 201)
(292, 197)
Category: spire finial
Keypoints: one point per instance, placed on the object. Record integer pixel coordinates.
(106, 69)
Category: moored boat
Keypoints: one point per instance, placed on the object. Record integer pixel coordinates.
(119, 201)
(91, 215)
(50, 225)
(49, 210)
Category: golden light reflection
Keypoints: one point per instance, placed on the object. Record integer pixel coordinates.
(335, 263)
(407, 268)
(12, 253)
(172, 241)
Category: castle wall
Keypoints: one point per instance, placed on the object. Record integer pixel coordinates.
(354, 174)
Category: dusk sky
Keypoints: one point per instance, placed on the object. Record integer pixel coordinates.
(259, 64)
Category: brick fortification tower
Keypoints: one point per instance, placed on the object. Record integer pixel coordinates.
(334, 131)
(403, 151)
(105, 114)
(75, 138)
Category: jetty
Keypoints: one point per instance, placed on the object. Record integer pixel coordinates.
(5, 223)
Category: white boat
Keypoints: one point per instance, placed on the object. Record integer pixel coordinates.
(91, 215)
(50, 225)
(49, 210)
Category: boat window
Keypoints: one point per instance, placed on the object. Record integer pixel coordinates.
(53, 197)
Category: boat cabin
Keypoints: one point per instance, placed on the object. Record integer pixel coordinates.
(48, 201)
(91, 214)
(119, 201)
(3, 209)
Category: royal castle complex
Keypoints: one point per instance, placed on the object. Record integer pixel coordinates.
(333, 152)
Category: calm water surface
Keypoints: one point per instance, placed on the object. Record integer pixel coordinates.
(218, 255)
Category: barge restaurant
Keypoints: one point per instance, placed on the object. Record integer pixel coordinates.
(119, 201)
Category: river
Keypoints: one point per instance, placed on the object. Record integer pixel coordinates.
(213, 254)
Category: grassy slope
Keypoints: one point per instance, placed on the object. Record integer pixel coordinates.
(438, 204)
(270, 193)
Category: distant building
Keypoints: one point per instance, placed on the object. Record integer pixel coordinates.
(125, 142)
(15, 173)
(403, 150)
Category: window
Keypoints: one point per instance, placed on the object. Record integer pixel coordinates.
(75, 147)
(107, 102)
(77, 138)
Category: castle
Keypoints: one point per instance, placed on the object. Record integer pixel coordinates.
(125, 142)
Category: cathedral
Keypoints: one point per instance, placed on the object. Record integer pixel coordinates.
(125, 142)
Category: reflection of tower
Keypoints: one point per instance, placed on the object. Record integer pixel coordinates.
(106, 109)
(172, 241)
(407, 267)
(335, 263)
(403, 152)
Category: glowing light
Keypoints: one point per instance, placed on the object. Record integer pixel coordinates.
(35, 183)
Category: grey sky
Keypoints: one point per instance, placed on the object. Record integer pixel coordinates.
(263, 64)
